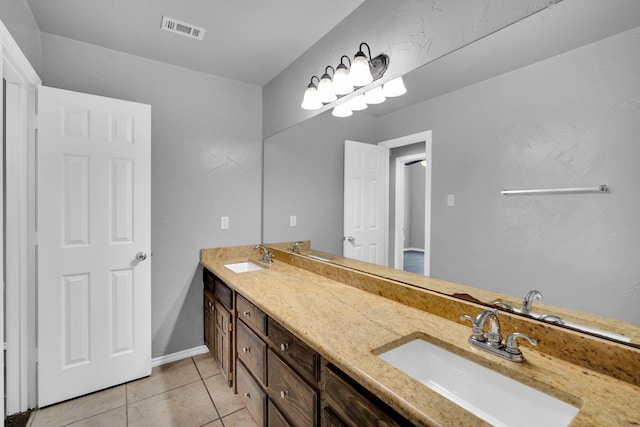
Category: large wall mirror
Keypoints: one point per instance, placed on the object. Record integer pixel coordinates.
(552, 101)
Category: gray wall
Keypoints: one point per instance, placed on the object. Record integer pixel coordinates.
(17, 17)
(206, 162)
(308, 160)
(414, 206)
(411, 32)
(571, 120)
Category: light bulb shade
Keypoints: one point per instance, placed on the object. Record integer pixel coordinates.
(360, 74)
(310, 100)
(341, 83)
(341, 110)
(357, 103)
(326, 93)
(374, 96)
(394, 87)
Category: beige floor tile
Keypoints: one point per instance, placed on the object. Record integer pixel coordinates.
(206, 364)
(239, 419)
(216, 423)
(80, 408)
(185, 406)
(222, 395)
(163, 378)
(113, 418)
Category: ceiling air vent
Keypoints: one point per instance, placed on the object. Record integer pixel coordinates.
(183, 28)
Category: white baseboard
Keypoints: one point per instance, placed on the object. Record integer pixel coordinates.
(413, 249)
(173, 357)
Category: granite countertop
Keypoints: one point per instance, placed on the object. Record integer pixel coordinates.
(349, 326)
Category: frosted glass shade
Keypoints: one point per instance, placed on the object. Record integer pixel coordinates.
(394, 87)
(341, 110)
(341, 83)
(326, 93)
(357, 103)
(310, 100)
(360, 74)
(374, 96)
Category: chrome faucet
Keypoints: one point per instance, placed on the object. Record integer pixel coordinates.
(294, 248)
(529, 298)
(492, 340)
(266, 256)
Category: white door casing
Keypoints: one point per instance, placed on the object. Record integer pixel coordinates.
(420, 137)
(93, 216)
(366, 207)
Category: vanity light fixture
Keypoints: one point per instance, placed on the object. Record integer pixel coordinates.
(394, 88)
(375, 96)
(342, 110)
(341, 82)
(326, 92)
(362, 71)
(357, 103)
(311, 100)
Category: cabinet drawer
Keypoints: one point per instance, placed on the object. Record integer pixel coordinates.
(301, 355)
(208, 278)
(251, 394)
(275, 417)
(252, 351)
(295, 398)
(223, 293)
(350, 405)
(251, 315)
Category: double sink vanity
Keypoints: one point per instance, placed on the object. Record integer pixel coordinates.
(306, 342)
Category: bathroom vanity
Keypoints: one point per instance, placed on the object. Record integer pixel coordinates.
(306, 339)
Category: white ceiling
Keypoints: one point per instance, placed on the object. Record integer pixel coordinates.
(245, 40)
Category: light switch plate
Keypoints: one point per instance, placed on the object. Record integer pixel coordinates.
(224, 223)
(292, 221)
(451, 200)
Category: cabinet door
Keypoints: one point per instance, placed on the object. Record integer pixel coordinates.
(223, 340)
(208, 321)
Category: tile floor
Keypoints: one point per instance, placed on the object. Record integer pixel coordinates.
(190, 392)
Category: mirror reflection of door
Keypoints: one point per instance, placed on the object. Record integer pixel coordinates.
(413, 248)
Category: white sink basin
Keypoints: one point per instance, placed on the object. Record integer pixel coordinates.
(495, 398)
(244, 267)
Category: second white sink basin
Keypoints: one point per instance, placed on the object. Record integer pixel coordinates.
(497, 399)
(244, 267)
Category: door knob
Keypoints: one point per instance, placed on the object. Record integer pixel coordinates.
(141, 256)
(351, 239)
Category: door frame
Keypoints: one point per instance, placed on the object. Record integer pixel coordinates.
(401, 165)
(20, 341)
(426, 137)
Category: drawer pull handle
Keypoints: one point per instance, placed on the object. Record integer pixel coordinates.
(246, 350)
(284, 394)
(284, 346)
(247, 395)
(246, 313)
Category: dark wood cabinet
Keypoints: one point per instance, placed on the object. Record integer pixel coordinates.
(223, 339)
(296, 399)
(347, 404)
(282, 381)
(209, 324)
(218, 322)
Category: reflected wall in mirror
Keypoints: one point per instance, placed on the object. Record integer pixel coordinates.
(571, 119)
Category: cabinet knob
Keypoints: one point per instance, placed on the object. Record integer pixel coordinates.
(247, 395)
(246, 350)
(284, 394)
(284, 346)
(246, 313)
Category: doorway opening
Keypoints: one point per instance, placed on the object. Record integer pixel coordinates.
(400, 201)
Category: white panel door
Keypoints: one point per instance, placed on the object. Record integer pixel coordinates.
(366, 206)
(94, 285)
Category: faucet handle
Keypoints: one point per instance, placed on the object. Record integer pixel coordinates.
(511, 344)
(478, 333)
